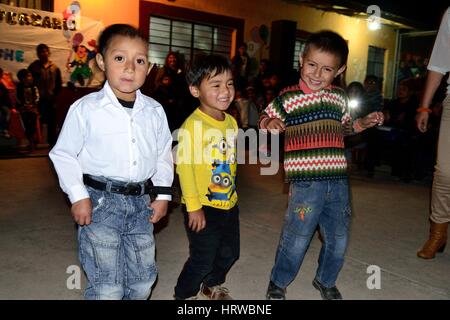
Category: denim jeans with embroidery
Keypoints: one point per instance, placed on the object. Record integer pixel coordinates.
(311, 204)
(117, 250)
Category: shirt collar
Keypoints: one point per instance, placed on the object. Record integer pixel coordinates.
(108, 97)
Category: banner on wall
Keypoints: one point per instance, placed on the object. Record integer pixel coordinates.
(70, 37)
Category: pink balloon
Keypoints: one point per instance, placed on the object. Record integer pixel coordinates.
(67, 13)
(77, 39)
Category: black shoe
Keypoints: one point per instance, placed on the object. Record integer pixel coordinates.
(275, 293)
(327, 293)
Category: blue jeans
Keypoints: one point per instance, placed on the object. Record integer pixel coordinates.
(117, 250)
(311, 204)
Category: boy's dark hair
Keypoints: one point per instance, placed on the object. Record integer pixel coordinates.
(22, 73)
(118, 29)
(330, 42)
(41, 46)
(206, 66)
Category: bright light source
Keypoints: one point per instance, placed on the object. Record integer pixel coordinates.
(374, 25)
(353, 103)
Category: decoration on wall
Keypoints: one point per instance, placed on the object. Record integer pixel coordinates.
(69, 36)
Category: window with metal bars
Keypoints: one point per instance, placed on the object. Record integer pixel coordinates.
(186, 38)
(46, 5)
(298, 49)
(375, 62)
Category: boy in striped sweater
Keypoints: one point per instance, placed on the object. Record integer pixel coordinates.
(314, 117)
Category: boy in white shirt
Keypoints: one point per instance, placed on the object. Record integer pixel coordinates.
(115, 145)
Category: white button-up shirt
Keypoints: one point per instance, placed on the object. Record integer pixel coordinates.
(440, 57)
(100, 138)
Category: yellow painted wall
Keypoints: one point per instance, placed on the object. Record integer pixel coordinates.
(258, 12)
(107, 11)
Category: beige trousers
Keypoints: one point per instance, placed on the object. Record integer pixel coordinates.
(440, 195)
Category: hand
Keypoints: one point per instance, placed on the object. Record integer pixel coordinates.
(275, 126)
(372, 119)
(197, 221)
(422, 121)
(159, 210)
(82, 211)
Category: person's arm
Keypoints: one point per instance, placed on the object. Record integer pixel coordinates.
(64, 157)
(272, 118)
(64, 154)
(186, 158)
(164, 168)
(438, 66)
(432, 84)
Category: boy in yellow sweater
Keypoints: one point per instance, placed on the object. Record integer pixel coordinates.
(206, 165)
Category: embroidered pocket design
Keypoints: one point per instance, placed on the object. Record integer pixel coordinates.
(301, 211)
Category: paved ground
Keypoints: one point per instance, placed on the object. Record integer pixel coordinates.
(38, 239)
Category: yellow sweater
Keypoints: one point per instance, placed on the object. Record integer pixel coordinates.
(206, 161)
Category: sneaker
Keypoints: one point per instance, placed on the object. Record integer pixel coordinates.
(327, 293)
(215, 293)
(275, 293)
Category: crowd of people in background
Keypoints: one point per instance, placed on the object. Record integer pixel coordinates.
(411, 154)
(29, 106)
(33, 101)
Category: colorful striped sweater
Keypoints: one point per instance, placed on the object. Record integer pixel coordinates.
(314, 136)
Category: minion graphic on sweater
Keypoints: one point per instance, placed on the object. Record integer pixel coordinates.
(222, 186)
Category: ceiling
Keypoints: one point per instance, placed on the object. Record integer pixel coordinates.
(400, 14)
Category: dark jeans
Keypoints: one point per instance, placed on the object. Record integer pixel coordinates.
(47, 110)
(212, 251)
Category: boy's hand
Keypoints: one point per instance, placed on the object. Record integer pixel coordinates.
(197, 220)
(372, 119)
(422, 121)
(82, 211)
(159, 210)
(275, 125)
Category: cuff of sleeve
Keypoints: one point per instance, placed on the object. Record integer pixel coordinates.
(77, 193)
(167, 197)
(437, 69)
(357, 126)
(193, 204)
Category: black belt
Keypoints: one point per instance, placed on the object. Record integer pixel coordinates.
(129, 189)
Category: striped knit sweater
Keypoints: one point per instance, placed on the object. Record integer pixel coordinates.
(314, 136)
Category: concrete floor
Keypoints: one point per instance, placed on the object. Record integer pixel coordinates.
(38, 240)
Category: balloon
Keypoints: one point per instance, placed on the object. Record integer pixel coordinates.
(67, 34)
(77, 39)
(67, 13)
(75, 7)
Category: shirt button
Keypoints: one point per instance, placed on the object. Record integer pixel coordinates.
(134, 140)
(134, 163)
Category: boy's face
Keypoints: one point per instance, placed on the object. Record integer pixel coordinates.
(44, 54)
(215, 93)
(28, 80)
(126, 66)
(319, 68)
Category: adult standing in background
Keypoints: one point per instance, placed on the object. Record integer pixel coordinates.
(438, 66)
(183, 103)
(241, 67)
(47, 77)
